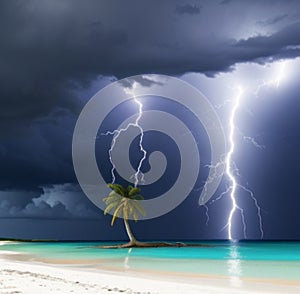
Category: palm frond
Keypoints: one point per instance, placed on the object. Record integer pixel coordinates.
(134, 191)
(110, 207)
(135, 216)
(117, 189)
(116, 213)
(125, 211)
(129, 187)
(138, 207)
(137, 197)
(124, 201)
(112, 198)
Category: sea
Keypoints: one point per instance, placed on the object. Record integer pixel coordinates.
(244, 259)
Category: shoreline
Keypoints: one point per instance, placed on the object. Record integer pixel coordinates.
(34, 277)
(28, 277)
(19, 274)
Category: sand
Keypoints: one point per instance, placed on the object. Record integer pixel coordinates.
(32, 277)
(20, 277)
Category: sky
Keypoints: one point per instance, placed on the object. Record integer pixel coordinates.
(56, 55)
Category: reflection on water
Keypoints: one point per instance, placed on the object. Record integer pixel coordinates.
(234, 266)
(126, 260)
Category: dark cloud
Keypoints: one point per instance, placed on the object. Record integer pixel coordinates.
(272, 21)
(282, 44)
(188, 9)
(45, 48)
(55, 202)
(142, 80)
(49, 50)
(51, 53)
(41, 155)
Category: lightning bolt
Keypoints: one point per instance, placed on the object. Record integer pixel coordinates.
(138, 175)
(250, 139)
(232, 173)
(231, 169)
(276, 81)
(137, 124)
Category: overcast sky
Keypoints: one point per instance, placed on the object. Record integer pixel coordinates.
(55, 55)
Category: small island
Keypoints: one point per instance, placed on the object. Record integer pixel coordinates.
(125, 203)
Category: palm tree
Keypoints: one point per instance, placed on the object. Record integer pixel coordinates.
(125, 203)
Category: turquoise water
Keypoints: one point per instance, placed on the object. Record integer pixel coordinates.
(264, 260)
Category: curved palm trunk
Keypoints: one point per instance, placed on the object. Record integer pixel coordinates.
(129, 232)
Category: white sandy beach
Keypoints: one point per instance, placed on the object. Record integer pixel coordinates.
(17, 276)
(23, 277)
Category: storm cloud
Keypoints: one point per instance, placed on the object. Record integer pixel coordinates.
(55, 55)
(49, 49)
(52, 52)
(55, 202)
